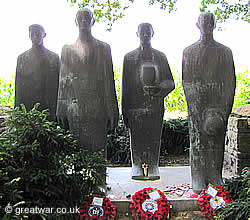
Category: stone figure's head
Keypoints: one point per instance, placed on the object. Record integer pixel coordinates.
(206, 23)
(145, 32)
(36, 34)
(84, 19)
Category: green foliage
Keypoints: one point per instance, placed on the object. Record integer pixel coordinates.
(118, 82)
(224, 9)
(175, 137)
(42, 165)
(165, 4)
(118, 145)
(109, 11)
(176, 101)
(242, 93)
(7, 90)
(174, 140)
(4, 110)
(239, 189)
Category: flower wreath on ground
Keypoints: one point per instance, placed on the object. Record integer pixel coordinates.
(100, 208)
(212, 199)
(149, 203)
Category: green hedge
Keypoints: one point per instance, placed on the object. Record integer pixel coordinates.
(42, 165)
(239, 189)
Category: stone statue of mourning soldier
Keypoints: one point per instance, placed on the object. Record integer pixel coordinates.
(37, 75)
(87, 103)
(209, 86)
(146, 80)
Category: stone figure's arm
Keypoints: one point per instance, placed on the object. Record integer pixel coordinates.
(124, 92)
(230, 82)
(53, 80)
(18, 81)
(110, 92)
(166, 84)
(184, 72)
(61, 111)
(189, 91)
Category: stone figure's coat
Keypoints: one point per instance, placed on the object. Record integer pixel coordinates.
(87, 103)
(37, 76)
(209, 86)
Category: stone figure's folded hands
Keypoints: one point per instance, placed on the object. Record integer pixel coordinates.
(152, 90)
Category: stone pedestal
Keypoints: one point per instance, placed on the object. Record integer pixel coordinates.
(237, 149)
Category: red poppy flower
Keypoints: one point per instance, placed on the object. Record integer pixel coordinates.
(138, 199)
(109, 210)
(204, 201)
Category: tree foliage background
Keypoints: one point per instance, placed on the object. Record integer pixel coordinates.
(109, 11)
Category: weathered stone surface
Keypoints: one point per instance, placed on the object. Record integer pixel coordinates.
(243, 111)
(87, 103)
(37, 75)
(147, 79)
(237, 150)
(234, 164)
(238, 134)
(238, 122)
(209, 85)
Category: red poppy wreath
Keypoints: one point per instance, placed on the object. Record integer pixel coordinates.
(211, 205)
(106, 211)
(145, 206)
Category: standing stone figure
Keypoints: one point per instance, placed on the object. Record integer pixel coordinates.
(87, 103)
(37, 75)
(209, 85)
(147, 79)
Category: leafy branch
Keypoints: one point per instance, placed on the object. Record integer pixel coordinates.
(223, 10)
(109, 11)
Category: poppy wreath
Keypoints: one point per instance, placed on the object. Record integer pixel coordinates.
(136, 205)
(204, 201)
(108, 210)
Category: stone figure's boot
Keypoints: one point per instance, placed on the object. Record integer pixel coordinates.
(214, 172)
(198, 179)
(153, 172)
(198, 185)
(137, 172)
(145, 166)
